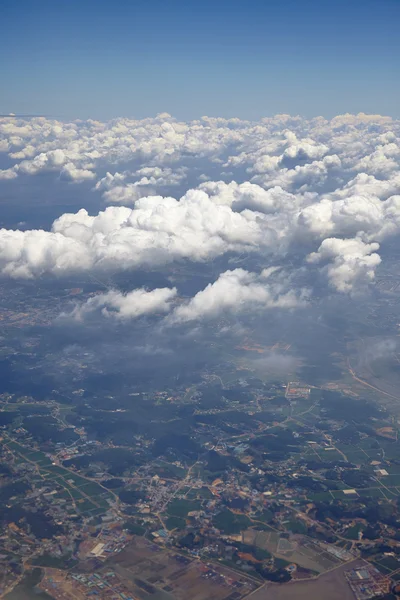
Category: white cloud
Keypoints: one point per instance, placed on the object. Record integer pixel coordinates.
(249, 196)
(311, 182)
(110, 180)
(367, 185)
(72, 173)
(345, 216)
(11, 173)
(124, 194)
(118, 189)
(311, 176)
(161, 177)
(366, 216)
(156, 231)
(131, 305)
(237, 291)
(350, 262)
(52, 160)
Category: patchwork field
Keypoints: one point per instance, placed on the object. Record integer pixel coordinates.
(87, 497)
(329, 586)
(299, 549)
(150, 570)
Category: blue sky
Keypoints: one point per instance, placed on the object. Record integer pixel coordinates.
(248, 58)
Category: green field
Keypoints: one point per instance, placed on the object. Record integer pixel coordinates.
(86, 506)
(90, 497)
(134, 528)
(296, 526)
(37, 456)
(321, 496)
(203, 492)
(175, 523)
(180, 508)
(352, 532)
(165, 469)
(390, 563)
(229, 522)
(91, 489)
(390, 480)
(266, 516)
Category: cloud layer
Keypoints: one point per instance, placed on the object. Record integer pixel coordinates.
(302, 194)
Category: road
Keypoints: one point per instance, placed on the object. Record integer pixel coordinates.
(68, 471)
(352, 373)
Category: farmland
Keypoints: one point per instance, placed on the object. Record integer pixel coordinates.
(87, 497)
(330, 586)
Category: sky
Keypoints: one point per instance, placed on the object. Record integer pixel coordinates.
(246, 59)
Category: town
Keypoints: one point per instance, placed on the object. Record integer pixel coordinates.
(249, 484)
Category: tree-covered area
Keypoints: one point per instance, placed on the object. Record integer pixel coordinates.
(113, 484)
(277, 575)
(41, 525)
(181, 445)
(15, 488)
(308, 483)
(276, 446)
(131, 496)
(45, 428)
(228, 522)
(345, 408)
(7, 417)
(216, 462)
(356, 478)
(211, 396)
(115, 460)
(365, 508)
(191, 541)
(5, 470)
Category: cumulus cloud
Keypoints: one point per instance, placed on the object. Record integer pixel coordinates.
(8, 173)
(51, 160)
(303, 178)
(277, 145)
(237, 291)
(156, 232)
(251, 196)
(127, 187)
(350, 262)
(72, 173)
(125, 194)
(161, 177)
(319, 193)
(368, 185)
(365, 215)
(234, 292)
(346, 216)
(131, 305)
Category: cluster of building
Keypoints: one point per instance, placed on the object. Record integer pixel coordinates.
(367, 582)
(110, 540)
(101, 586)
(294, 389)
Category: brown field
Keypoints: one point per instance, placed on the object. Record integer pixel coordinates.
(299, 549)
(329, 586)
(55, 583)
(387, 432)
(145, 567)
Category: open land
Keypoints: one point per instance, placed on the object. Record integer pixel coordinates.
(329, 586)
